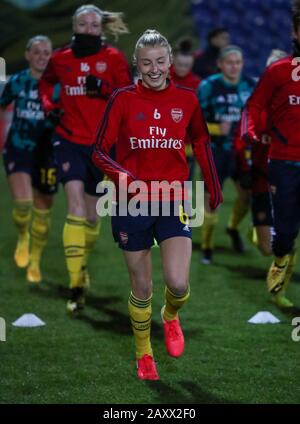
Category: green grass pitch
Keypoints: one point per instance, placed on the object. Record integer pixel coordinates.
(91, 359)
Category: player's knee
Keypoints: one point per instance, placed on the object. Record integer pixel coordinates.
(142, 292)
(77, 208)
(177, 284)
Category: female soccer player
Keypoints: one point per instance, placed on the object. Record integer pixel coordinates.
(88, 71)
(278, 91)
(222, 97)
(149, 122)
(28, 158)
(181, 68)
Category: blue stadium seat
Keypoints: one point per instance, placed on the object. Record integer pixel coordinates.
(257, 26)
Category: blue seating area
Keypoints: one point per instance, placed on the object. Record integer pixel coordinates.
(257, 26)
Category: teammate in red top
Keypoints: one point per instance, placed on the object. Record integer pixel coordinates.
(88, 71)
(181, 68)
(278, 91)
(149, 122)
(181, 73)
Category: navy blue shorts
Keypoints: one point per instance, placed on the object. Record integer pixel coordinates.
(134, 233)
(74, 163)
(284, 179)
(261, 206)
(39, 163)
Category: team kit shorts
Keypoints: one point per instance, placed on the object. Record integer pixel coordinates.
(134, 233)
(74, 162)
(39, 163)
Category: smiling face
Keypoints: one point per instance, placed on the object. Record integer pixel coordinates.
(153, 63)
(38, 55)
(88, 23)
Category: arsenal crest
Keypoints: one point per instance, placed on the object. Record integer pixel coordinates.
(101, 67)
(66, 166)
(123, 237)
(177, 114)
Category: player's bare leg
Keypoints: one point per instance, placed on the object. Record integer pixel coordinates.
(140, 310)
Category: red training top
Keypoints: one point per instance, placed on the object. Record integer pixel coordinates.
(191, 80)
(278, 91)
(149, 128)
(82, 113)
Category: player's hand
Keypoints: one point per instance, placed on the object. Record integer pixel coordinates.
(93, 86)
(266, 139)
(55, 115)
(252, 139)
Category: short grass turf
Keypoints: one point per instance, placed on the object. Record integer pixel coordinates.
(90, 359)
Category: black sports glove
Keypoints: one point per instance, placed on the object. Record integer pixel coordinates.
(245, 180)
(93, 86)
(55, 115)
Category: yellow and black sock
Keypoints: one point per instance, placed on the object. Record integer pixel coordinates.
(74, 246)
(39, 234)
(281, 261)
(208, 227)
(239, 211)
(22, 215)
(174, 303)
(92, 231)
(140, 312)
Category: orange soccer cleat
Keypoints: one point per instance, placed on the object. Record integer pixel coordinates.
(174, 339)
(146, 368)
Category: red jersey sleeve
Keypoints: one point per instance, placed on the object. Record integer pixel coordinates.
(259, 100)
(46, 86)
(121, 77)
(107, 135)
(200, 141)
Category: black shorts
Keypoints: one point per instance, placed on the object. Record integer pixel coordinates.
(134, 233)
(284, 180)
(74, 163)
(39, 164)
(262, 209)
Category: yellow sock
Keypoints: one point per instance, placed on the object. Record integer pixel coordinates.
(39, 234)
(290, 270)
(239, 211)
(281, 260)
(92, 231)
(74, 245)
(174, 303)
(140, 312)
(22, 215)
(208, 227)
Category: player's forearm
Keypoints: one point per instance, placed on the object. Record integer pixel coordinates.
(109, 167)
